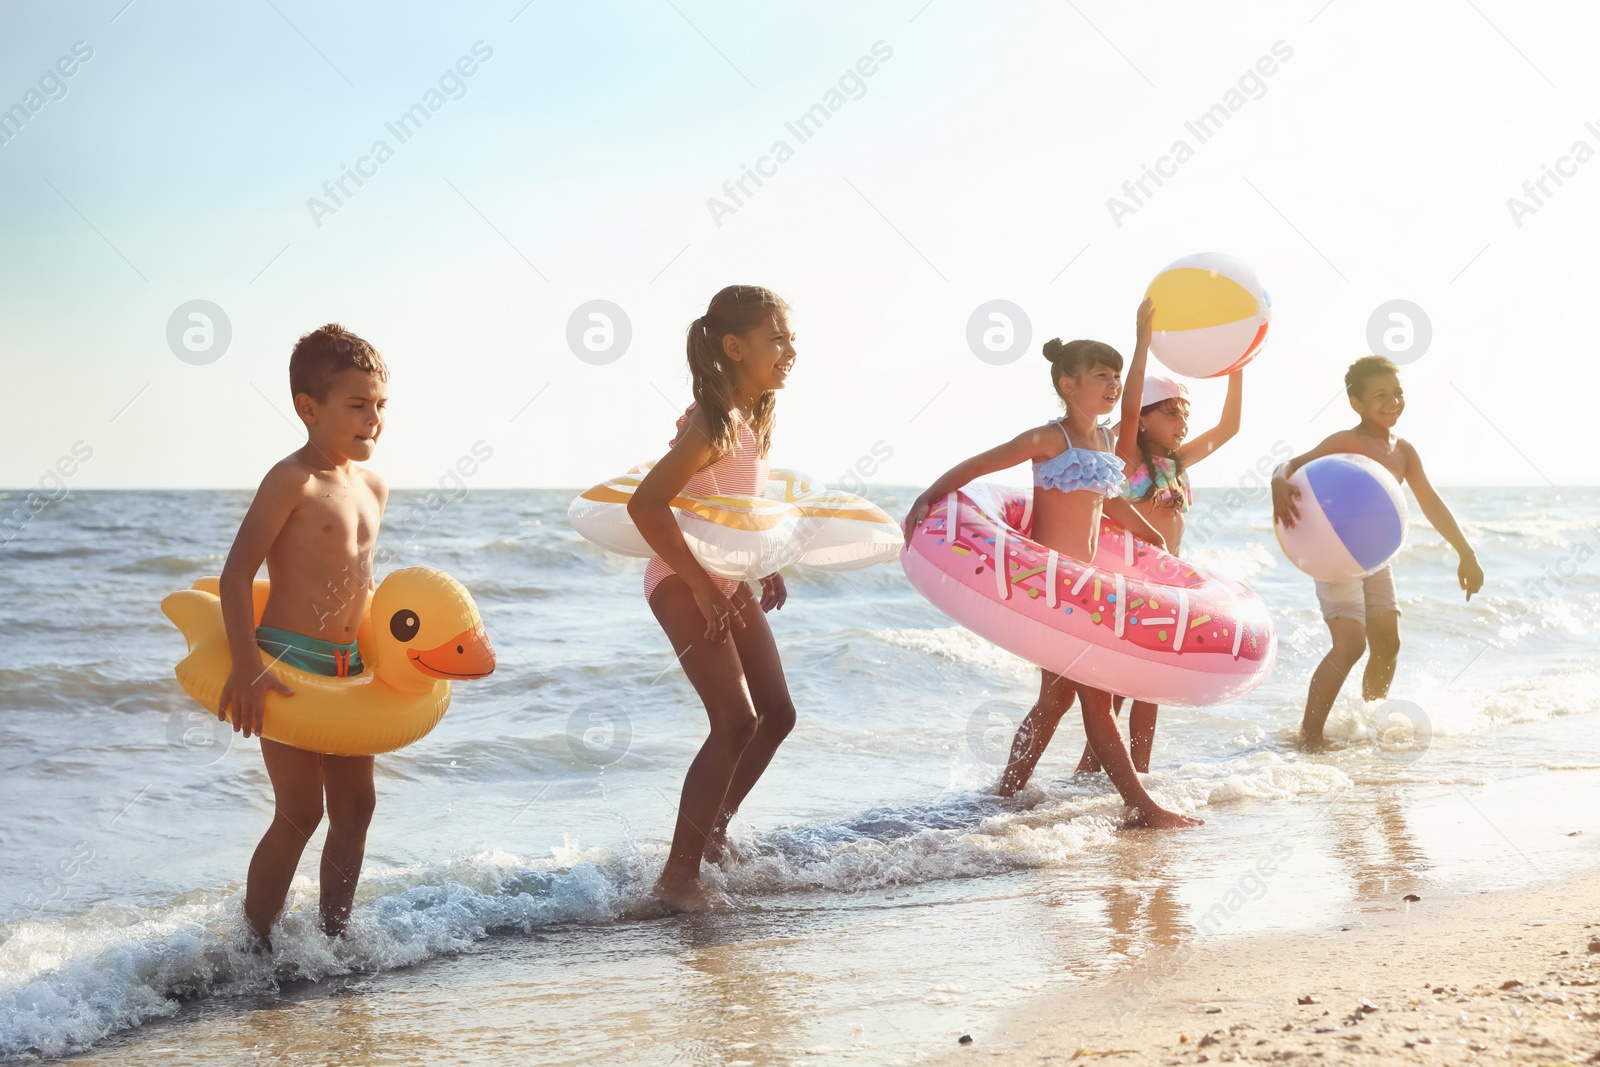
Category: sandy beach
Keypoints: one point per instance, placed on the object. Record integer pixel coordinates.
(1507, 977)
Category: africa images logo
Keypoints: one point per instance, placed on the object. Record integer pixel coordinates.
(452, 85)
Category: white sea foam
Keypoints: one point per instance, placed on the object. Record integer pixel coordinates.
(1443, 710)
(66, 983)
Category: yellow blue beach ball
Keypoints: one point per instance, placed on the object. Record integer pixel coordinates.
(1352, 521)
(1211, 315)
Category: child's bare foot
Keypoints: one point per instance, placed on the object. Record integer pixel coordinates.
(717, 849)
(681, 895)
(257, 943)
(723, 852)
(1314, 742)
(1161, 819)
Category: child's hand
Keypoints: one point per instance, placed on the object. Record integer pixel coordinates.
(918, 512)
(247, 696)
(1470, 575)
(1147, 314)
(1284, 495)
(773, 592)
(717, 610)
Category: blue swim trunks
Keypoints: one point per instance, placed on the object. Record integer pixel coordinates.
(310, 654)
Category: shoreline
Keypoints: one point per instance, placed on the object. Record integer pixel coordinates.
(1496, 977)
(1130, 949)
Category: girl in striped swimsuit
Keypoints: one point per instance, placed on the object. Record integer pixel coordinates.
(1077, 477)
(740, 353)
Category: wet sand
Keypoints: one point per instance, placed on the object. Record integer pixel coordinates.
(1510, 977)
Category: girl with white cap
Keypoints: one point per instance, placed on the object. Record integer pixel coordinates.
(1157, 453)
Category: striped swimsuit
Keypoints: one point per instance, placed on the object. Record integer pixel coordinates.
(741, 472)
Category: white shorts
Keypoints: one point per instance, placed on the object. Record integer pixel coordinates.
(1359, 598)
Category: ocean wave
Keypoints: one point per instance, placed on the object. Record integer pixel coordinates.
(957, 644)
(66, 983)
(491, 589)
(1259, 775)
(1433, 708)
(93, 687)
(19, 550)
(512, 569)
(189, 566)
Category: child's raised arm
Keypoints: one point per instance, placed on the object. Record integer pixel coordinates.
(651, 512)
(1194, 451)
(1030, 444)
(1468, 572)
(245, 691)
(1133, 386)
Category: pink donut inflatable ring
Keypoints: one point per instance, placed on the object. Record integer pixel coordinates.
(1138, 621)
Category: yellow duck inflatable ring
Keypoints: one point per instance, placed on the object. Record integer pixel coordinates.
(428, 633)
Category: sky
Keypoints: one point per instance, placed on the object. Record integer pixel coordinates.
(972, 155)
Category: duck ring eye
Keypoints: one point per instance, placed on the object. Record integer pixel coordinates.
(403, 624)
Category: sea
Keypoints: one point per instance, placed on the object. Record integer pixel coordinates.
(881, 901)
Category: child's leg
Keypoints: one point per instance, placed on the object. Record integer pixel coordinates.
(1141, 734)
(1383, 652)
(769, 695)
(1100, 724)
(1349, 641)
(1087, 764)
(1141, 737)
(1055, 697)
(297, 809)
(717, 674)
(348, 783)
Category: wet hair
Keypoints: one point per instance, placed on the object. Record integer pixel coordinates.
(738, 309)
(1147, 451)
(1073, 358)
(1364, 369)
(326, 351)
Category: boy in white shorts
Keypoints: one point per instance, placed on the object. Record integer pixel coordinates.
(1363, 614)
(1360, 599)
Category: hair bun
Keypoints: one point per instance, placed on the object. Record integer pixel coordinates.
(1053, 349)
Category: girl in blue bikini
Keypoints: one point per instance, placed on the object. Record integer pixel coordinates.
(1156, 454)
(1076, 478)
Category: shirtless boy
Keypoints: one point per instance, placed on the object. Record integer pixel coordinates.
(1363, 614)
(314, 521)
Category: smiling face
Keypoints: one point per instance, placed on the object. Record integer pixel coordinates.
(1096, 389)
(1165, 425)
(347, 423)
(763, 356)
(1381, 402)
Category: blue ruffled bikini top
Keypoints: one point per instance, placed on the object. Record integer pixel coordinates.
(1082, 468)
